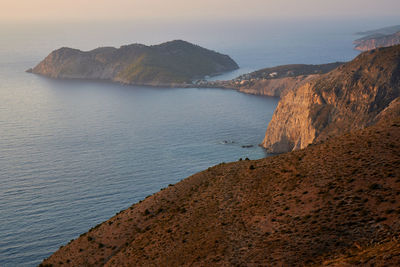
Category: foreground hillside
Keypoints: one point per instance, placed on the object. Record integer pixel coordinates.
(351, 96)
(169, 64)
(336, 203)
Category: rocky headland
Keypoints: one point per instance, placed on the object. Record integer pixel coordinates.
(175, 63)
(353, 96)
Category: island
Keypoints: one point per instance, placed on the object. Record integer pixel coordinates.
(170, 64)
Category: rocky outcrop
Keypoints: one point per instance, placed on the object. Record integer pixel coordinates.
(377, 40)
(333, 204)
(169, 64)
(352, 96)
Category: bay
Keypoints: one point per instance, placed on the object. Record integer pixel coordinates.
(73, 153)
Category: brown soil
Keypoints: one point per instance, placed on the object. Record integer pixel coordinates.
(336, 203)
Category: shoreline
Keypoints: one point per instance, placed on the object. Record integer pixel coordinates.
(210, 85)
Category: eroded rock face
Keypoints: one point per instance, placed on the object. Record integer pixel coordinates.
(290, 126)
(168, 64)
(350, 97)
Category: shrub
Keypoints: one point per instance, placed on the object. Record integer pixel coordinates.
(389, 211)
(381, 219)
(375, 186)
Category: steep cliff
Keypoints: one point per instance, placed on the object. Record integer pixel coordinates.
(168, 64)
(377, 40)
(333, 204)
(349, 97)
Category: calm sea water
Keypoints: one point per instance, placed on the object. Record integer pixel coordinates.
(73, 153)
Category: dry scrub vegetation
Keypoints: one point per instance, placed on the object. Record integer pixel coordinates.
(336, 203)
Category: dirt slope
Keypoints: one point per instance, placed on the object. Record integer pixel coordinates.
(331, 203)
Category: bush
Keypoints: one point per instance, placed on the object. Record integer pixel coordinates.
(381, 219)
(375, 186)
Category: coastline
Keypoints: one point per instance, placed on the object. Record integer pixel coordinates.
(224, 85)
(45, 46)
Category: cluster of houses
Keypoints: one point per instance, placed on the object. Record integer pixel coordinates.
(248, 78)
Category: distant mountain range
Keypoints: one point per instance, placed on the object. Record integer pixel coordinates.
(378, 38)
(385, 30)
(172, 63)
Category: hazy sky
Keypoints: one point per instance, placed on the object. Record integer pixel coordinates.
(193, 9)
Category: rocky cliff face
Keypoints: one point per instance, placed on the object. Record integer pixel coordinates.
(352, 96)
(171, 63)
(377, 40)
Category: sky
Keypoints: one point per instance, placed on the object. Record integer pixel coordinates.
(25, 10)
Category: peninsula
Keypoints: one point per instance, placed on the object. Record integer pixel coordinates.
(274, 81)
(170, 64)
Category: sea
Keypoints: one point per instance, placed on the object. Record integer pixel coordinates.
(74, 153)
